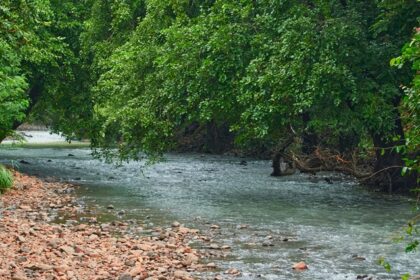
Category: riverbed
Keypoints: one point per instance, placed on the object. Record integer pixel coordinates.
(339, 229)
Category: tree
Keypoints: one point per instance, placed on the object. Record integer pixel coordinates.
(262, 69)
(36, 59)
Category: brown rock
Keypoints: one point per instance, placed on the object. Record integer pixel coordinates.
(138, 270)
(67, 249)
(180, 274)
(233, 271)
(20, 238)
(25, 207)
(54, 242)
(145, 247)
(93, 237)
(39, 266)
(61, 268)
(19, 275)
(300, 266)
(190, 259)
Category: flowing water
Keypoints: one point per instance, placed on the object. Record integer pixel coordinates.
(325, 225)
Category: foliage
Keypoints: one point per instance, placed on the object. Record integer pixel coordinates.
(34, 58)
(410, 107)
(130, 74)
(242, 64)
(6, 179)
(411, 102)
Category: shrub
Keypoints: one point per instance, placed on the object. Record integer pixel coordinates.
(6, 179)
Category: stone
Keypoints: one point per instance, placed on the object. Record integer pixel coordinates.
(130, 262)
(145, 247)
(20, 238)
(39, 266)
(21, 259)
(125, 276)
(242, 226)
(180, 274)
(232, 271)
(61, 268)
(267, 243)
(25, 207)
(176, 224)
(110, 206)
(358, 258)
(54, 242)
(190, 259)
(136, 271)
(67, 249)
(300, 266)
(19, 275)
(93, 237)
(211, 265)
(214, 246)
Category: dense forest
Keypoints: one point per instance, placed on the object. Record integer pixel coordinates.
(316, 85)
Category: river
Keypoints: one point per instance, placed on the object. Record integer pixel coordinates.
(301, 217)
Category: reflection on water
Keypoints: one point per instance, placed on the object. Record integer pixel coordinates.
(325, 225)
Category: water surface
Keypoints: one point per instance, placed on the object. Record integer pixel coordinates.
(325, 225)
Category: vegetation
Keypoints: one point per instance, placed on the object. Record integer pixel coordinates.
(307, 82)
(292, 77)
(6, 179)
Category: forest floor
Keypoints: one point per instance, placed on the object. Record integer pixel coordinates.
(33, 246)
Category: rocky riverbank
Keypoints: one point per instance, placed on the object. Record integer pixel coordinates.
(32, 247)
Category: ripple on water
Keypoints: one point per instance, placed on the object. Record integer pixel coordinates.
(325, 225)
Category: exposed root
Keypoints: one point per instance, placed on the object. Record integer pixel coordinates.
(327, 160)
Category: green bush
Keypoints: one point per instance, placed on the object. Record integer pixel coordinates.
(6, 179)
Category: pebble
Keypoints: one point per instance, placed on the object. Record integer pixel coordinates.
(300, 266)
(211, 265)
(267, 243)
(76, 250)
(358, 258)
(19, 275)
(176, 224)
(233, 271)
(214, 246)
(125, 276)
(180, 274)
(243, 226)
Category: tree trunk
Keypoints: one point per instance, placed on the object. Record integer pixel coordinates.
(278, 157)
(309, 138)
(276, 165)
